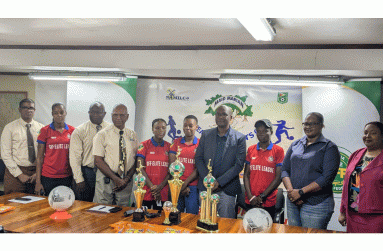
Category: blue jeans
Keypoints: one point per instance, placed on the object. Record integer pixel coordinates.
(311, 216)
(189, 202)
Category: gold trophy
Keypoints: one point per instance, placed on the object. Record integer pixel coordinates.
(139, 181)
(208, 216)
(176, 169)
(167, 208)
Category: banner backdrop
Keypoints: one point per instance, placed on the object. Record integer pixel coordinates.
(173, 100)
(80, 95)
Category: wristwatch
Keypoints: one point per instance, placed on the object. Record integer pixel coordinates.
(301, 193)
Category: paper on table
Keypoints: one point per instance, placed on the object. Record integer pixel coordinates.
(101, 209)
(26, 199)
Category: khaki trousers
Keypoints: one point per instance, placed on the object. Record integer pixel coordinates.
(13, 184)
(104, 192)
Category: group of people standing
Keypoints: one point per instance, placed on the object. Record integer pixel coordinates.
(99, 159)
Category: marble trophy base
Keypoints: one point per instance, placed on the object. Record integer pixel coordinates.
(175, 217)
(138, 216)
(211, 228)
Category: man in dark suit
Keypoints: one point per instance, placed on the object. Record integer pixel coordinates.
(226, 148)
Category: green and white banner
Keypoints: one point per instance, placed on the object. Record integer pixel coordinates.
(173, 100)
(80, 95)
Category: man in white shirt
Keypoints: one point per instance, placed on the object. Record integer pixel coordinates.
(19, 149)
(81, 152)
(114, 150)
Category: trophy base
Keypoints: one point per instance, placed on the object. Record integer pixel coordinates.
(175, 218)
(210, 228)
(138, 216)
(167, 224)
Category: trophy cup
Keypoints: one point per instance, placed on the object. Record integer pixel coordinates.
(139, 181)
(208, 216)
(167, 208)
(176, 169)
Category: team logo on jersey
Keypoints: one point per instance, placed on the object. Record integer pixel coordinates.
(68, 135)
(237, 103)
(172, 95)
(270, 159)
(140, 147)
(283, 97)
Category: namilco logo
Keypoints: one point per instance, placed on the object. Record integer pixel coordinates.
(172, 95)
(337, 185)
(237, 103)
(283, 97)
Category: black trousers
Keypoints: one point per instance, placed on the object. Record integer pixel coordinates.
(50, 183)
(89, 175)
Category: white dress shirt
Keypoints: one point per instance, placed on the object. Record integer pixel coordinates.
(14, 144)
(81, 148)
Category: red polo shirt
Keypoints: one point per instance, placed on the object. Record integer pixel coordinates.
(156, 165)
(186, 156)
(262, 170)
(56, 160)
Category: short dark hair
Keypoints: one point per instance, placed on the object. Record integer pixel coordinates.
(58, 104)
(26, 100)
(376, 123)
(156, 120)
(318, 115)
(191, 117)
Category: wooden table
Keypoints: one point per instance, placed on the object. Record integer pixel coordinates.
(34, 218)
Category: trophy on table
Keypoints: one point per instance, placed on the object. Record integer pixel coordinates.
(139, 181)
(167, 209)
(176, 169)
(208, 216)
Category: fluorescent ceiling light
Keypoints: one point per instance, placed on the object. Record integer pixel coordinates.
(78, 76)
(235, 79)
(259, 28)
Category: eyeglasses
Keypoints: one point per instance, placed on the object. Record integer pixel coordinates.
(306, 124)
(28, 108)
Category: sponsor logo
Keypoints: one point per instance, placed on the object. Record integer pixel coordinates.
(172, 95)
(236, 103)
(253, 157)
(140, 147)
(53, 137)
(283, 97)
(337, 185)
(152, 152)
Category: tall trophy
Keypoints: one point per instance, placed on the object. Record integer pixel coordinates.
(139, 181)
(208, 216)
(176, 169)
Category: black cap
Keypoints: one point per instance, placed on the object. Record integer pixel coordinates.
(263, 122)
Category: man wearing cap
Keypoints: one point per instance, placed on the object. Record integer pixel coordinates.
(262, 174)
(114, 150)
(81, 152)
(19, 148)
(226, 148)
